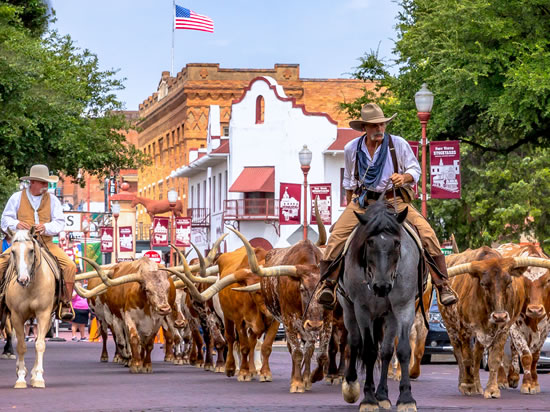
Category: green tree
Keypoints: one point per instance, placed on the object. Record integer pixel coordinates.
(486, 62)
(56, 106)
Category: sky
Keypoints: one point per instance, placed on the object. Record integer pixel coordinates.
(325, 37)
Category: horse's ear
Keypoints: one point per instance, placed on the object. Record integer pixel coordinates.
(361, 217)
(401, 216)
(32, 230)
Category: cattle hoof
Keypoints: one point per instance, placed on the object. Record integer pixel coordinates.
(20, 385)
(491, 393)
(350, 391)
(503, 385)
(244, 377)
(297, 387)
(104, 359)
(169, 359)
(513, 381)
(219, 369)
(35, 383)
(385, 404)
(209, 368)
(12, 356)
(147, 369)
(396, 376)
(469, 389)
(5, 356)
(406, 407)
(199, 365)
(368, 407)
(229, 372)
(529, 390)
(265, 377)
(134, 369)
(307, 384)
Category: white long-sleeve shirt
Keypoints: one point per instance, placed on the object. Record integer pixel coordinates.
(9, 215)
(406, 163)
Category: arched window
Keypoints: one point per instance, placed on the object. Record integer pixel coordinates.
(260, 107)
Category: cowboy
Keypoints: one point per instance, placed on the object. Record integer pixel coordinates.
(372, 162)
(35, 207)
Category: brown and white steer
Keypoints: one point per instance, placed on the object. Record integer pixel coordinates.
(288, 294)
(532, 326)
(141, 295)
(491, 294)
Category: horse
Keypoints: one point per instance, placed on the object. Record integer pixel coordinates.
(29, 288)
(155, 207)
(377, 291)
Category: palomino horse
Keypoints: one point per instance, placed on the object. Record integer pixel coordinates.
(29, 289)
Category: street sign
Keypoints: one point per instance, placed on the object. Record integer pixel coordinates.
(72, 222)
(153, 255)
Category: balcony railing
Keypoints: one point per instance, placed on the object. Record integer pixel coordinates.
(251, 209)
(200, 216)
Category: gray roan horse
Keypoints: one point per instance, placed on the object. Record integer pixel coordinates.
(29, 290)
(379, 287)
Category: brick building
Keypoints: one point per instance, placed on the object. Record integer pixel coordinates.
(174, 120)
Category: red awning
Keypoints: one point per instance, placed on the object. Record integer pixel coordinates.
(255, 179)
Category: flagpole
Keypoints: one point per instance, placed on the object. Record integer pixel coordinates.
(173, 29)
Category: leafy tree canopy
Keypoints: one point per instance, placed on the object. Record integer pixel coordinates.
(56, 106)
(487, 64)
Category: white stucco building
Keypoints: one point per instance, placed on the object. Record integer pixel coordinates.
(235, 180)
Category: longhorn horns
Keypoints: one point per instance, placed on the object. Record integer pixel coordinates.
(519, 262)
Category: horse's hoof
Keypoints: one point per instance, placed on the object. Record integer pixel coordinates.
(20, 385)
(406, 407)
(350, 391)
(385, 404)
(38, 383)
(369, 407)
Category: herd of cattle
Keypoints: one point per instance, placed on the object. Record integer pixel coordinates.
(222, 305)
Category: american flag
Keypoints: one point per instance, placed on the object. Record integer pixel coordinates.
(189, 20)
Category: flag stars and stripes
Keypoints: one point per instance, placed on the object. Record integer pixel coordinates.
(189, 20)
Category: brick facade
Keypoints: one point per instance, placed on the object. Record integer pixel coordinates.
(174, 120)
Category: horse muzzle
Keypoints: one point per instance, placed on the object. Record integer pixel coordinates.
(24, 281)
(382, 289)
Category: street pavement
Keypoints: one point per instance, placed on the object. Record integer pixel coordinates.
(77, 381)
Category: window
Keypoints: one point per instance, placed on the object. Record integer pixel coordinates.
(219, 191)
(192, 196)
(213, 193)
(260, 106)
(225, 131)
(343, 200)
(203, 200)
(198, 195)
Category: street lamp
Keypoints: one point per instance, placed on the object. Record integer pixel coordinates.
(115, 209)
(305, 160)
(424, 100)
(172, 200)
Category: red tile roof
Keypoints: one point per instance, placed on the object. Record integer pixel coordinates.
(343, 137)
(255, 179)
(224, 147)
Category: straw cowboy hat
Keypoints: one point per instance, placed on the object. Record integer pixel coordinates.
(40, 173)
(370, 113)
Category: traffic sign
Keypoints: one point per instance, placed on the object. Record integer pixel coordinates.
(153, 255)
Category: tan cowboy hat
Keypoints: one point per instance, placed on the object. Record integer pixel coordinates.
(40, 173)
(370, 113)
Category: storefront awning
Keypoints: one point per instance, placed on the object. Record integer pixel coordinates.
(255, 179)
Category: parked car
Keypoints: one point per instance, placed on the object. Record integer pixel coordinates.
(281, 335)
(437, 340)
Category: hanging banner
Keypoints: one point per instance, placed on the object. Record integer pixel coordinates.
(160, 231)
(183, 232)
(106, 236)
(322, 192)
(289, 206)
(415, 146)
(445, 169)
(125, 239)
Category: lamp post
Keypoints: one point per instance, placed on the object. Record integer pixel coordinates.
(305, 160)
(424, 100)
(172, 200)
(115, 209)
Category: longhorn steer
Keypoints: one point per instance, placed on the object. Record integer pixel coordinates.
(532, 326)
(490, 292)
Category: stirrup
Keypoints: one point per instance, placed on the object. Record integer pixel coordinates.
(447, 296)
(66, 315)
(327, 297)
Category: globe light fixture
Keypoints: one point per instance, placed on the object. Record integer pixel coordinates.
(424, 100)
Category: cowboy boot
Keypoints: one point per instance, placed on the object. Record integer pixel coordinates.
(447, 295)
(327, 295)
(66, 312)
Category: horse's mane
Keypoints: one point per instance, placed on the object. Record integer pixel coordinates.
(21, 236)
(380, 219)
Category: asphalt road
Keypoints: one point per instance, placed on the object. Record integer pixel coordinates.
(77, 381)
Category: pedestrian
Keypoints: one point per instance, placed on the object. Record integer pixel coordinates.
(82, 314)
(6, 242)
(379, 164)
(35, 207)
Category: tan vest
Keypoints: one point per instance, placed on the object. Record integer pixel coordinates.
(26, 212)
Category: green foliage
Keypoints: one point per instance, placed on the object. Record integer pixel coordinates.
(56, 106)
(487, 64)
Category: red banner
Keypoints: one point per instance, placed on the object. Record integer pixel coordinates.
(445, 169)
(324, 203)
(183, 232)
(160, 231)
(415, 146)
(106, 235)
(126, 239)
(289, 206)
